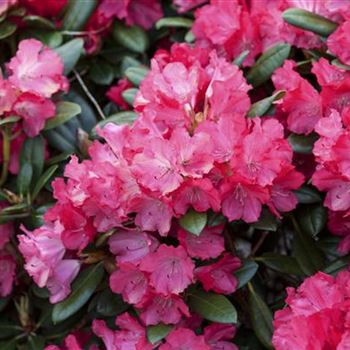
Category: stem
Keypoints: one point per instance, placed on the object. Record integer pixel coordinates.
(88, 94)
(6, 137)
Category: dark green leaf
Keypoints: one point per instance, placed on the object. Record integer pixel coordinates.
(337, 265)
(267, 63)
(136, 74)
(8, 345)
(133, 38)
(109, 304)
(38, 156)
(3, 302)
(158, 332)
(129, 95)
(309, 21)
(308, 195)
(213, 307)
(281, 263)
(82, 289)
(101, 73)
(70, 53)
(43, 180)
(189, 37)
(37, 342)
(24, 178)
(261, 107)
(193, 222)
(39, 22)
(9, 120)
(302, 143)
(48, 37)
(261, 317)
(340, 65)
(177, 22)
(77, 14)
(312, 219)
(246, 272)
(7, 29)
(65, 111)
(8, 329)
(56, 140)
(266, 222)
(305, 250)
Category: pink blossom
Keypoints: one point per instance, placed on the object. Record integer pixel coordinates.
(219, 277)
(5, 5)
(316, 314)
(185, 5)
(340, 39)
(37, 69)
(7, 273)
(170, 269)
(7, 96)
(208, 245)
(132, 246)
(219, 336)
(51, 9)
(129, 281)
(34, 110)
(44, 252)
(184, 339)
(114, 93)
(141, 12)
(166, 309)
(339, 225)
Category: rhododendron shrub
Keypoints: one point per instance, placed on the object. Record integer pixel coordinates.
(174, 175)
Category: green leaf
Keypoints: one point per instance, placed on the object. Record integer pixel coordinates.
(101, 73)
(136, 74)
(340, 65)
(65, 111)
(302, 143)
(267, 222)
(267, 63)
(309, 21)
(70, 53)
(193, 222)
(312, 219)
(9, 329)
(36, 342)
(177, 22)
(57, 141)
(24, 178)
(189, 37)
(38, 157)
(120, 118)
(43, 180)
(240, 58)
(246, 272)
(109, 304)
(8, 345)
(7, 29)
(308, 195)
(213, 307)
(9, 120)
(4, 302)
(39, 22)
(261, 107)
(129, 95)
(82, 289)
(337, 265)
(50, 38)
(261, 317)
(158, 332)
(305, 250)
(77, 14)
(133, 38)
(281, 263)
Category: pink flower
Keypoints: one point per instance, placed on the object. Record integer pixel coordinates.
(141, 12)
(130, 336)
(185, 5)
(7, 96)
(7, 273)
(37, 69)
(132, 246)
(44, 252)
(340, 39)
(339, 225)
(170, 269)
(114, 93)
(51, 9)
(302, 103)
(219, 336)
(34, 110)
(184, 339)
(316, 316)
(129, 281)
(219, 277)
(5, 5)
(208, 245)
(163, 309)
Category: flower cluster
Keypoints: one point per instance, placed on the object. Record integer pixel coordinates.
(316, 316)
(35, 74)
